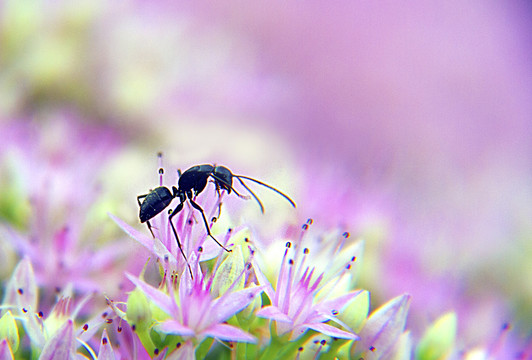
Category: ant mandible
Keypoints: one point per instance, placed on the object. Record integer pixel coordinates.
(192, 182)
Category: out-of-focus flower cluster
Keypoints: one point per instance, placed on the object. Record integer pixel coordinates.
(411, 235)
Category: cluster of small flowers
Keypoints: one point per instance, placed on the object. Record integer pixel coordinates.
(288, 297)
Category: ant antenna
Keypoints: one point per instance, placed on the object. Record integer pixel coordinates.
(217, 178)
(252, 194)
(239, 177)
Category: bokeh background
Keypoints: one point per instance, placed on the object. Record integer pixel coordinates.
(411, 126)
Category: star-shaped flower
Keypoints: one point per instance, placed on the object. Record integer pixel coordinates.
(293, 303)
(194, 311)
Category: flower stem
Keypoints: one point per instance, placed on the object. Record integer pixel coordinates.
(145, 339)
(203, 348)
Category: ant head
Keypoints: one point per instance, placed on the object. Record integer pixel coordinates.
(224, 178)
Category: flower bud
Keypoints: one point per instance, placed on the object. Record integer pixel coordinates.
(9, 330)
(438, 340)
(230, 270)
(138, 310)
(382, 329)
(356, 312)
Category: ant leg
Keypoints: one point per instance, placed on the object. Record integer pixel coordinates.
(174, 212)
(147, 222)
(197, 207)
(149, 228)
(141, 197)
(219, 200)
(219, 209)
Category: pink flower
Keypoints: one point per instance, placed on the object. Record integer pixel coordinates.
(195, 312)
(293, 305)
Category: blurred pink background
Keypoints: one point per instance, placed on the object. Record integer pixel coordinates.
(408, 124)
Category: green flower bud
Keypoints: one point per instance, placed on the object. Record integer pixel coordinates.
(246, 314)
(228, 272)
(356, 312)
(438, 340)
(138, 310)
(402, 349)
(9, 330)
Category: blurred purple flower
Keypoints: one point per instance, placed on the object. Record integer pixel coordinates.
(52, 332)
(57, 162)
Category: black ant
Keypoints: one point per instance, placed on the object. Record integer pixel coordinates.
(192, 182)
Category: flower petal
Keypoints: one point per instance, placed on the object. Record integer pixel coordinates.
(158, 297)
(135, 234)
(160, 356)
(9, 330)
(106, 350)
(61, 345)
(185, 352)
(327, 307)
(230, 304)
(5, 351)
(21, 243)
(263, 281)
(174, 327)
(229, 333)
(21, 290)
(332, 331)
(384, 326)
(33, 328)
(153, 245)
(273, 313)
